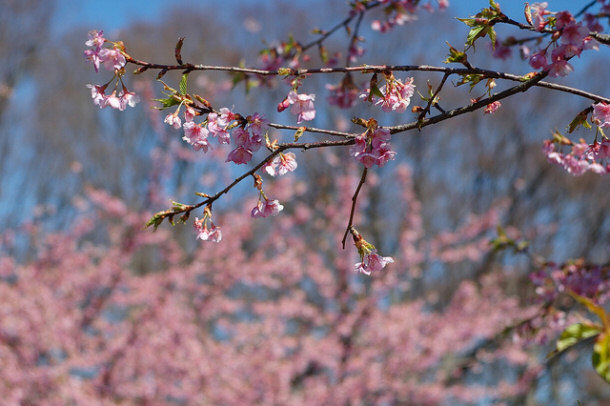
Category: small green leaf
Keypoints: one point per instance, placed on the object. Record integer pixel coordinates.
(601, 356)
(580, 119)
(375, 90)
(183, 83)
(575, 333)
(299, 133)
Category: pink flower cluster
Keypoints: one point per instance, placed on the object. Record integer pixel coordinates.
(114, 60)
(343, 95)
(372, 148)
(589, 282)
(248, 139)
(302, 106)
(581, 159)
(396, 95)
(573, 39)
(204, 233)
(119, 102)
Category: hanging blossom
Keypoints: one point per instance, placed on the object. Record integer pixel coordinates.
(372, 147)
(248, 139)
(396, 95)
(266, 207)
(119, 102)
(114, 60)
(370, 260)
(281, 164)
(573, 39)
(582, 158)
(111, 58)
(302, 106)
(196, 135)
(204, 233)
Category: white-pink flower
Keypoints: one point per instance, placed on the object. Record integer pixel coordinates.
(173, 120)
(113, 59)
(240, 155)
(96, 39)
(196, 135)
(281, 164)
(302, 106)
(98, 95)
(372, 262)
(372, 148)
(204, 234)
(601, 114)
(266, 208)
(492, 107)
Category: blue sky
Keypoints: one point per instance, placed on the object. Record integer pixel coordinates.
(115, 14)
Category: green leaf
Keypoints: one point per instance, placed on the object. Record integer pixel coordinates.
(575, 333)
(183, 83)
(165, 103)
(601, 356)
(375, 90)
(580, 119)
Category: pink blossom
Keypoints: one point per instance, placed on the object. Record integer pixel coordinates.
(173, 120)
(218, 123)
(240, 155)
(563, 19)
(196, 135)
(302, 106)
(538, 11)
(113, 59)
(372, 262)
(396, 95)
(574, 34)
(243, 138)
(281, 164)
(257, 124)
(560, 68)
(492, 107)
(204, 234)
(127, 98)
(96, 39)
(538, 60)
(98, 95)
(601, 114)
(266, 208)
(93, 56)
(189, 114)
(371, 148)
(113, 101)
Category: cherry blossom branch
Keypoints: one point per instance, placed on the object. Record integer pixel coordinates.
(184, 210)
(350, 223)
(369, 69)
(472, 107)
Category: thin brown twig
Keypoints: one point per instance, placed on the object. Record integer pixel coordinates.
(353, 209)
